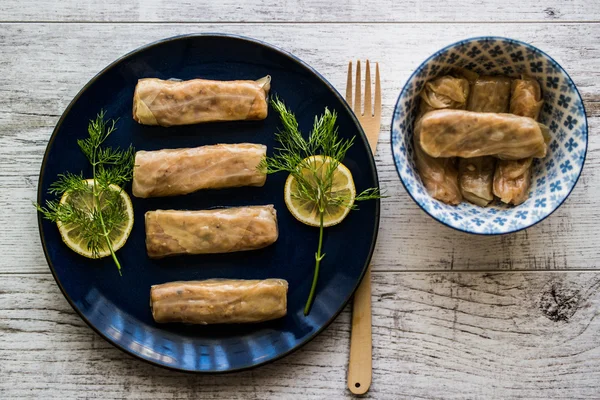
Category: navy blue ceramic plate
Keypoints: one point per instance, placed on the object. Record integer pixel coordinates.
(118, 307)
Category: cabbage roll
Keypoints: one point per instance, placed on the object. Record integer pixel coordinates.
(526, 97)
(174, 172)
(458, 133)
(490, 94)
(219, 301)
(475, 178)
(223, 230)
(469, 75)
(445, 92)
(439, 175)
(168, 103)
(512, 180)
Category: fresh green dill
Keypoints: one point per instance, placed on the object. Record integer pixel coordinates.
(99, 220)
(294, 155)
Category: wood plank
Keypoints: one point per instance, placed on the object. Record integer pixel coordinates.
(435, 335)
(296, 11)
(47, 64)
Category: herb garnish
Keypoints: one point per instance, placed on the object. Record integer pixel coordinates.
(107, 212)
(314, 182)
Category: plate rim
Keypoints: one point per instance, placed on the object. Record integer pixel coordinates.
(241, 38)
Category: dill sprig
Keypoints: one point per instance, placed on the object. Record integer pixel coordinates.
(314, 181)
(97, 221)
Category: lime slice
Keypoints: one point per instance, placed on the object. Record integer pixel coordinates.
(307, 212)
(72, 234)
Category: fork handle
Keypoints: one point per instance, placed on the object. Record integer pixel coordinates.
(360, 367)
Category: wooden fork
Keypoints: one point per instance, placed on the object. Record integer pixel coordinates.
(360, 367)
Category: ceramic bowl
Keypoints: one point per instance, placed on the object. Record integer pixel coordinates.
(554, 177)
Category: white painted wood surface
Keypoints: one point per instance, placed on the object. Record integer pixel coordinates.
(455, 316)
(296, 11)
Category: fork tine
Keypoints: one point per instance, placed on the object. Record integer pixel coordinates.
(368, 98)
(377, 92)
(357, 93)
(349, 85)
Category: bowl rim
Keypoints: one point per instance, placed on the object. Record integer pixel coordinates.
(419, 68)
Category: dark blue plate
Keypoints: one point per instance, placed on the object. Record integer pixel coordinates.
(118, 307)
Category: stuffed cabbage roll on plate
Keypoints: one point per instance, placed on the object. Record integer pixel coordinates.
(222, 230)
(458, 133)
(172, 102)
(219, 301)
(173, 172)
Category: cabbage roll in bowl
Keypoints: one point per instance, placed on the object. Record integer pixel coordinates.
(519, 142)
(512, 179)
(439, 175)
(445, 92)
(490, 94)
(457, 133)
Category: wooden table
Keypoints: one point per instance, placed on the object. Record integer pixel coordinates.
(454, 316)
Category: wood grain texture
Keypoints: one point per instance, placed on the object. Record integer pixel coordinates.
(437, 332)
(436, 335)
(295, 11)
(45, 65)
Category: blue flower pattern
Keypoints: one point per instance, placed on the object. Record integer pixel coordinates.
(500, 221)
(581, 132)
(478, 221)
(550, 97)
(496, 51)
(536, 66)
(571, 144)
(563, 112)
(456, 216)
(558, 114)
(570, 122)
(552, 82)
(566, 166)
(522, 214)
(564, 101)
(517, 56)
(540, 202)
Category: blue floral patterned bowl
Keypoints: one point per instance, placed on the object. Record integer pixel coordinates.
(554, 177)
